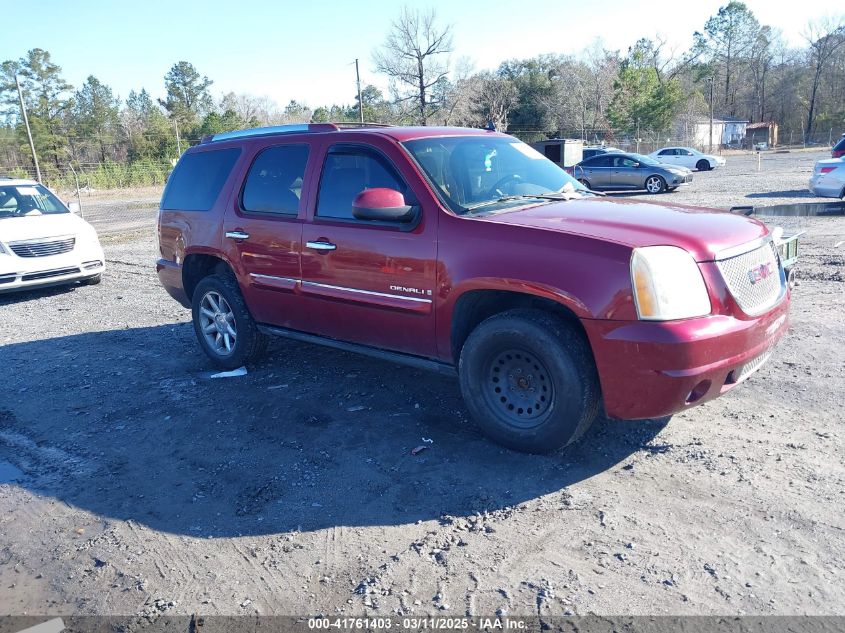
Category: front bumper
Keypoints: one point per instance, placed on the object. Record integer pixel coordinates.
(654, 369)
(21, 273)
(679, 180)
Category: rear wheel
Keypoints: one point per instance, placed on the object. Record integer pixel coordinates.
(703, 165)
(529, 380)
(655, 184)
(224, 327)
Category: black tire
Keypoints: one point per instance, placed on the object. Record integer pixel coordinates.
(92, 281)
(703, 165)
(658, 187)
(248, 344)
(585, 182)
(555, 396)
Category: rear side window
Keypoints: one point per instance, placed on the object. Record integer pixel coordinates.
(597, 161)
(274, 182)
(667, 152)
(197, 180)
(840, 145)
(348, 172)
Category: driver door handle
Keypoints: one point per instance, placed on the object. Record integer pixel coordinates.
(237, 235)
(321, 246)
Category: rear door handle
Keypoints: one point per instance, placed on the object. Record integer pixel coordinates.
(321, 246)
(237, 235)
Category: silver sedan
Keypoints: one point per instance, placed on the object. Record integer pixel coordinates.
(620, 172)
(828, 179)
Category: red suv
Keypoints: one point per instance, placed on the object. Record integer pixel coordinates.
(467, 251)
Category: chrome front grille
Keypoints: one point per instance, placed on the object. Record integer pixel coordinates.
(43, 248)
(754, 278)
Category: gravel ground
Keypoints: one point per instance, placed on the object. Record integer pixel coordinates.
(135, 484)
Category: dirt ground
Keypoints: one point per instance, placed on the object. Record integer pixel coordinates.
(135, 484)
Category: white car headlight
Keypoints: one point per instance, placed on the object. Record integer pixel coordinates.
(667, 284)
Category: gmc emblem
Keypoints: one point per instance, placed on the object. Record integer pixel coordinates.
(759, 273)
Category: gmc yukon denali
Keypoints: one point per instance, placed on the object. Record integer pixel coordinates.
(467, 251)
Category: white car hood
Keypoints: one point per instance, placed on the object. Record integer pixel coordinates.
(32, 227)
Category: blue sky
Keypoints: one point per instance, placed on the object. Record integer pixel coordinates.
(304, 50)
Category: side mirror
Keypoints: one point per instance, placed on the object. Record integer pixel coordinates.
(637, 165)
(73, 207)
(383, 204)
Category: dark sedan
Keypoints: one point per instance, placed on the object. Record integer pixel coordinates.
(620, 172)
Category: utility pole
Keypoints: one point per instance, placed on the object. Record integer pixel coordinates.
(360, 100)
(638, 136)
(710, 149)
(178, 140)
(28, 131)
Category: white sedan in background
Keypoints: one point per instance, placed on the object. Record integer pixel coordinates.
(687, 157)
(828, 179)
(43, 242)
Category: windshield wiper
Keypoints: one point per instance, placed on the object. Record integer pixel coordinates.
(568, 194)
(487, 203)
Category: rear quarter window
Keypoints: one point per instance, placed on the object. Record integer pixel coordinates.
(840, 145)
(197, 180)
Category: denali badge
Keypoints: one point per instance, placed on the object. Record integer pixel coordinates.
(759, 273)
(415, 291)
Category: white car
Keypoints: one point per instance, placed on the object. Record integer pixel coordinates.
(43, 242)
(687, 157)
(828, 179)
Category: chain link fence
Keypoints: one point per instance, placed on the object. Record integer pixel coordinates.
(96, 176)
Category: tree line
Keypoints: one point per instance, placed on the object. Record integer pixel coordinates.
(737, 67)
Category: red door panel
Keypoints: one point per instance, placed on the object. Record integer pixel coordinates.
(262, 233)
(363, 281)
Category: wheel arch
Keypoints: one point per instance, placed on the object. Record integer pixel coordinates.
(474, 306)
(198, 265)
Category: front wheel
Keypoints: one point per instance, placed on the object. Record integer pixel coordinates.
(529, 380)
(703, 165)
(584, 182)
(224, 327)
(655, 184)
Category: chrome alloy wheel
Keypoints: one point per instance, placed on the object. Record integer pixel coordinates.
(217, 322)
(654, 184)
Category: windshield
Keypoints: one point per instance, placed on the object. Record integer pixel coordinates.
(471, 172)
(17, 201)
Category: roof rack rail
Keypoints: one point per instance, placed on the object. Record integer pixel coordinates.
(354, 124)
(294, 128)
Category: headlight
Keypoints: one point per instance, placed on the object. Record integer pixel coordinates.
(667, 284)
(3, 250)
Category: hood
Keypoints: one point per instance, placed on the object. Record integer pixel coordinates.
(32, 227)
(703, 232)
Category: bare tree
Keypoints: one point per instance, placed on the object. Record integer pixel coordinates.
(824, 38)
(415, 57)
